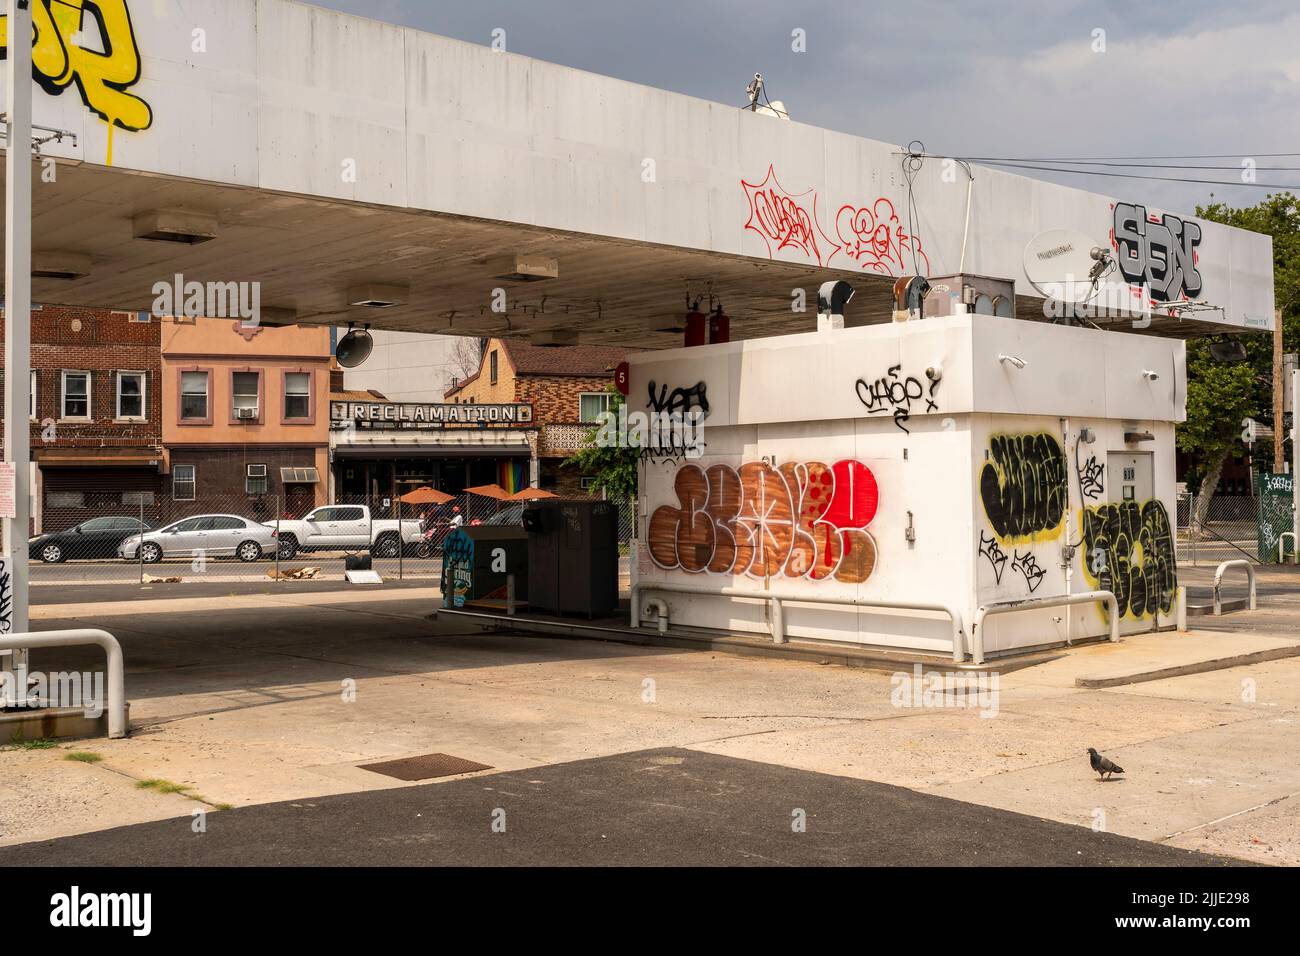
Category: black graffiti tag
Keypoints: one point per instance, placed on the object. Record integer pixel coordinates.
(1027, 564)
(1090, 475)
(1161, 254)
(1129, 550)
(991, 550)
(680, 400)
(893, 392)
(1024, 485)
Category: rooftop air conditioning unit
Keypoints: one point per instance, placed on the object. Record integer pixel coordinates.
(246, 414)
(257, 471)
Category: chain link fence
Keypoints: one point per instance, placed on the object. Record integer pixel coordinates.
(89, 538)
(1224, 528)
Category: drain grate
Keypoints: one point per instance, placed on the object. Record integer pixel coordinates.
(425, 767)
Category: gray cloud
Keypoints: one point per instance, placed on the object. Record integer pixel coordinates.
(983, 78)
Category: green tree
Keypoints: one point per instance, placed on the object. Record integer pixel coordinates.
(1220, 396)
(614, 467)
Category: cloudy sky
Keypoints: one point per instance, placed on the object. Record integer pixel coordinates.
(993, 78)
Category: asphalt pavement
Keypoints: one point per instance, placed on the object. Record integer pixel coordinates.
(662, 807)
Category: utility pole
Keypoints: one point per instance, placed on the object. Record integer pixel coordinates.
(1279, 457)
(18, 310)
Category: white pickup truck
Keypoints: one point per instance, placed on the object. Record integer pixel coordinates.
(345, 528)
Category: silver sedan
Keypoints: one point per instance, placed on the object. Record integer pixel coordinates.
(202, 536)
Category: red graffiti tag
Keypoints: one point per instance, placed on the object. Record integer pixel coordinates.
(875, 238)
(785, 220)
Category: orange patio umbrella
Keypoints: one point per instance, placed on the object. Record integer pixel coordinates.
(489, 491)
(531, 494)
(426, 496)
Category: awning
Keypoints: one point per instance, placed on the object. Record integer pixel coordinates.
(353, 452)
(299, 476)
(98, 458)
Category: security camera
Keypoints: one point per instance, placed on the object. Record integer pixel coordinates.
(934, 373)
(1015, 360)
(1150, 375)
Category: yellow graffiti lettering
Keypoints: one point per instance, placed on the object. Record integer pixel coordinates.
(103, 75)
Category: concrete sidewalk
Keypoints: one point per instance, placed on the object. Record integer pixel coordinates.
(283, 700)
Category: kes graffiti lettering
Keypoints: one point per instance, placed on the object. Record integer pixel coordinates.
(679, 400)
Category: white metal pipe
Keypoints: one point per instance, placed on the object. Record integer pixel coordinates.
(18, 308)
(116, 703)
(1060, 600)
(1218, 583)
(783, 597)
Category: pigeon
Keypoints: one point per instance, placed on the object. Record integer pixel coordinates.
(1102, 765)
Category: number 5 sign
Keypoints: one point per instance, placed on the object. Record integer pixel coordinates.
(622, 378)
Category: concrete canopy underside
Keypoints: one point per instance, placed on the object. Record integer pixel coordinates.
(307, 252)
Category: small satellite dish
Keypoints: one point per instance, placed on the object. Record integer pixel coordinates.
(1063, 264)
(354, 348)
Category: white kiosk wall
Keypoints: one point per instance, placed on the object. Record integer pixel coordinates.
(918, 462)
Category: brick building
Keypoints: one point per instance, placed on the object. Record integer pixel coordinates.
(567, 388)
(96, 415)
(245, 417)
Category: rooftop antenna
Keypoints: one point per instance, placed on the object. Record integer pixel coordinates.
(758, 90)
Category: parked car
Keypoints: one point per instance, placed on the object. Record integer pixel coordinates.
(511, 514)
(345, 528)
(208, 535)
(96, 538)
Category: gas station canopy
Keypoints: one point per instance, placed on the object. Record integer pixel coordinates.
(453, 188)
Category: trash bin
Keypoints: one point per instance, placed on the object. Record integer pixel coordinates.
(573, 557)
(476, 562)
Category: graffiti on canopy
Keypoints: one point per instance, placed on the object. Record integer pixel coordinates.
(62, 57)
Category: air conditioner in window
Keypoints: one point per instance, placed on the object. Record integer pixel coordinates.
(257, 471)
(246, 414)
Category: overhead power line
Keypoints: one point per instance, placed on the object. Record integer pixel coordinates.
(1097, 172)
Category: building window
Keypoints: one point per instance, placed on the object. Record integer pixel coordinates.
(130, 394)
(76, 395)
(135, 499)
(64, 499)
(194, 398)
(255, 480)
(31, 403)
(591, 405)
(245, 395)
(297, 395)
(492, 363)
(184, 482)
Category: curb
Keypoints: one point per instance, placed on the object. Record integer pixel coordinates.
(1197, 667)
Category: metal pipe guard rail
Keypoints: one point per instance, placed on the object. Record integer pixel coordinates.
(116, 703)
(1218, 583)
(1060, 600)
(777, 601)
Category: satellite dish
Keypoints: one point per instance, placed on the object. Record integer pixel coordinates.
(354, 348)
(1064, 264)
